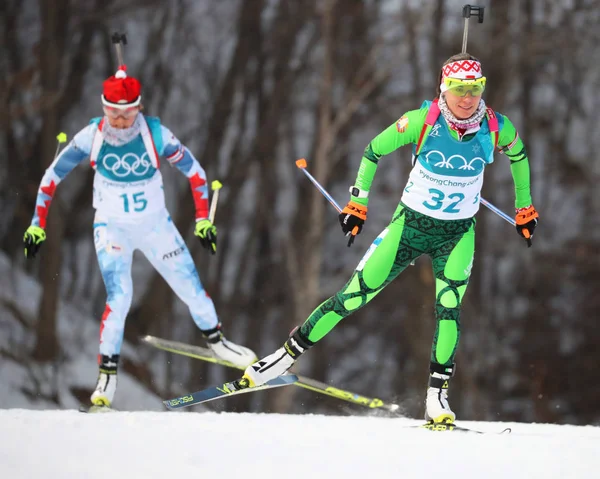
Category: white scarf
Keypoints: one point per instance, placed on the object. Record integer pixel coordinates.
(121, 136)
(472, 123)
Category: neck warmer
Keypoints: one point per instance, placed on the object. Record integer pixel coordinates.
(473, 122)
(121, 136)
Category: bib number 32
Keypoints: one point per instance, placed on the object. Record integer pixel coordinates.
(437, 201)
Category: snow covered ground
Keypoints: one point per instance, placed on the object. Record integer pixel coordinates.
(67, 444)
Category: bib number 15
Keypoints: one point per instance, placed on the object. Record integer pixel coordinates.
(138, 202)
(437, 201)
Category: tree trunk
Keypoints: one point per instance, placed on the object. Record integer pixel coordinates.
(47, 346)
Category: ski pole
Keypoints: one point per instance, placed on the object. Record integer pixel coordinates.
(216, 186)
(61, 138)
(499, 212)
(301, 163)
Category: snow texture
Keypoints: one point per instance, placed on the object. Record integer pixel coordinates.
(67, 444)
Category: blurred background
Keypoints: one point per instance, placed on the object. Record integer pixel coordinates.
(250, 86)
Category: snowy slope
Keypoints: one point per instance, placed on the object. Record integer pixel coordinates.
(68, 444)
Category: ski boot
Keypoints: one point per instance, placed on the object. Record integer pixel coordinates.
(225, 349)
(103, 395)
(279, 362)
(437, 409)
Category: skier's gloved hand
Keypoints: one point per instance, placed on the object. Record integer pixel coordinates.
(32, 240)
(207, 233)
(352, 218)
(526, 220)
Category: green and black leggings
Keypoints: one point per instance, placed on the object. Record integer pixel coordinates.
(451, 246)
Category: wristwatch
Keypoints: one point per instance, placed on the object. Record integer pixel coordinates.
(358, 193)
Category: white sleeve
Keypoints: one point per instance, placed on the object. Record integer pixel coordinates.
(83, 139)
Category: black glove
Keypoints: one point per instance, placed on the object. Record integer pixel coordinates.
(207, 234)
(526, 220)
(352, 218)
(32, 240)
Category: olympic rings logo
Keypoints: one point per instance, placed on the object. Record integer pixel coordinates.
(128, 164)
(450, 164)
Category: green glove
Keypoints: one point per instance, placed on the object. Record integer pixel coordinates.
(207, 233)
(32, 240)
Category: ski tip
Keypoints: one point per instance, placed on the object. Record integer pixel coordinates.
(176, 403)
(301, 163)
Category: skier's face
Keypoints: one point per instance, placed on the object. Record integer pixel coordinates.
(121, 118)
(121, 123)
(462, 107)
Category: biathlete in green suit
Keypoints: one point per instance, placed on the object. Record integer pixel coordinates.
(453, 138)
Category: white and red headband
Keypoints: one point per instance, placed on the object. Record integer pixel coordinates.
(461, 70)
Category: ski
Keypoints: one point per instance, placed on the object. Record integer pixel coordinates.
(451, 427)
(231, 388)
(204, 354)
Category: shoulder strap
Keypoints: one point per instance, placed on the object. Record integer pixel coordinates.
(96, 144)
(149, 144)
(156, 132)
(432, 115)
(493, 125)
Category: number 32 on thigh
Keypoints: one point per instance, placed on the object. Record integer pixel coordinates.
(437, 198)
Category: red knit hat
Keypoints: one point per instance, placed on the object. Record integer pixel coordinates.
(121, 91)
